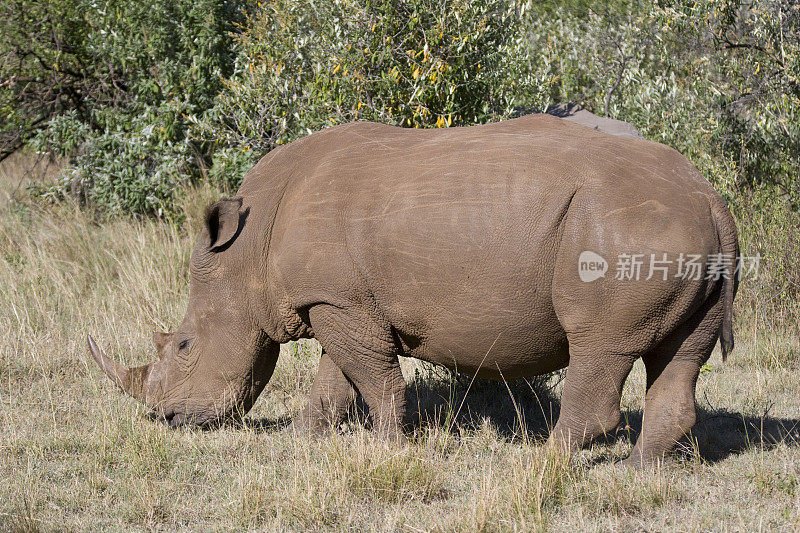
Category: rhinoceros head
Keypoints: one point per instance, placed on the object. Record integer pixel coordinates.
(216, 363)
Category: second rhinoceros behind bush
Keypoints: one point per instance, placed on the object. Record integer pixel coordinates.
(461, 247)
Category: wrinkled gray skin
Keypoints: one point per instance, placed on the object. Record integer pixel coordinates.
(459, 247)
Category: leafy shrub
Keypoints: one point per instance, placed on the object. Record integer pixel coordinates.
(749, 53)
(111, 85)
(303, 65)
(43, 53)
(137, 170)
(719, 80)
(144, 97)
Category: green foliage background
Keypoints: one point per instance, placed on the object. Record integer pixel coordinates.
(145, 98)
(110, 84)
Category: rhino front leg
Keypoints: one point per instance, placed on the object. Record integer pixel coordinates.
(591, 397)
(367, 355)
(332, 395)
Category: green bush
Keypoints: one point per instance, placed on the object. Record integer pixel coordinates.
(303, 65)
(749, 53)
(111, 85)
(719, 80)
(139, 169)
(145, 97)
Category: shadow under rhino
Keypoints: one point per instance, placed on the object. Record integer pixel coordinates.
(529, 408)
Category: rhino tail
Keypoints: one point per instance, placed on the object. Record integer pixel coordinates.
(729, 241)
(726, 331)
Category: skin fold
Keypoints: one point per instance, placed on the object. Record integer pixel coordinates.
(459, 247)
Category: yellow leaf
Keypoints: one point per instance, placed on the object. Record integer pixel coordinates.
(416, 73)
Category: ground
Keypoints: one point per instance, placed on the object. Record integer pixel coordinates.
(76, 454)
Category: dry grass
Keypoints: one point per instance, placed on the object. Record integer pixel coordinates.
(75, 454)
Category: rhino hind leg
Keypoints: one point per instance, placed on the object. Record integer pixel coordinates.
(329, 403)
(366, 353)
(672, 371)
(591, 398)
(669, 412)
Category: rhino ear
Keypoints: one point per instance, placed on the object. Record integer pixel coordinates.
(224, 221)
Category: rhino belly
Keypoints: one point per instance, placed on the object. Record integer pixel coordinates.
(496, 333)
(508, 353)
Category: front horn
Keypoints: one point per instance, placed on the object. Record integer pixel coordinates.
(131, 380)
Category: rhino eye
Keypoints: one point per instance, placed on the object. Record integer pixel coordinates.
(183, 344)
